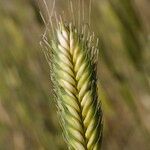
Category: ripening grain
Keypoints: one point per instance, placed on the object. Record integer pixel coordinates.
(72, 56)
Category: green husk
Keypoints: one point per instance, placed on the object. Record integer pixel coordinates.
(73, 70)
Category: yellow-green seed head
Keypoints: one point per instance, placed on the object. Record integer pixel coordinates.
(73, 70)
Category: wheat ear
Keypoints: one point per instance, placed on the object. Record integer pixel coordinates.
(73, 71)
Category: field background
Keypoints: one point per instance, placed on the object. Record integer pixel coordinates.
(28, 118)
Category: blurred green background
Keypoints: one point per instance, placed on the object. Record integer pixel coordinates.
(28, 118)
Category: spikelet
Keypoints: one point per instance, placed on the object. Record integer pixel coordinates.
(72, 57)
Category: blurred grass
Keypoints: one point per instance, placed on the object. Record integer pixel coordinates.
(28, 118)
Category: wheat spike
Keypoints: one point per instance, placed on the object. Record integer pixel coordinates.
(73, 71)
(72, 55)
